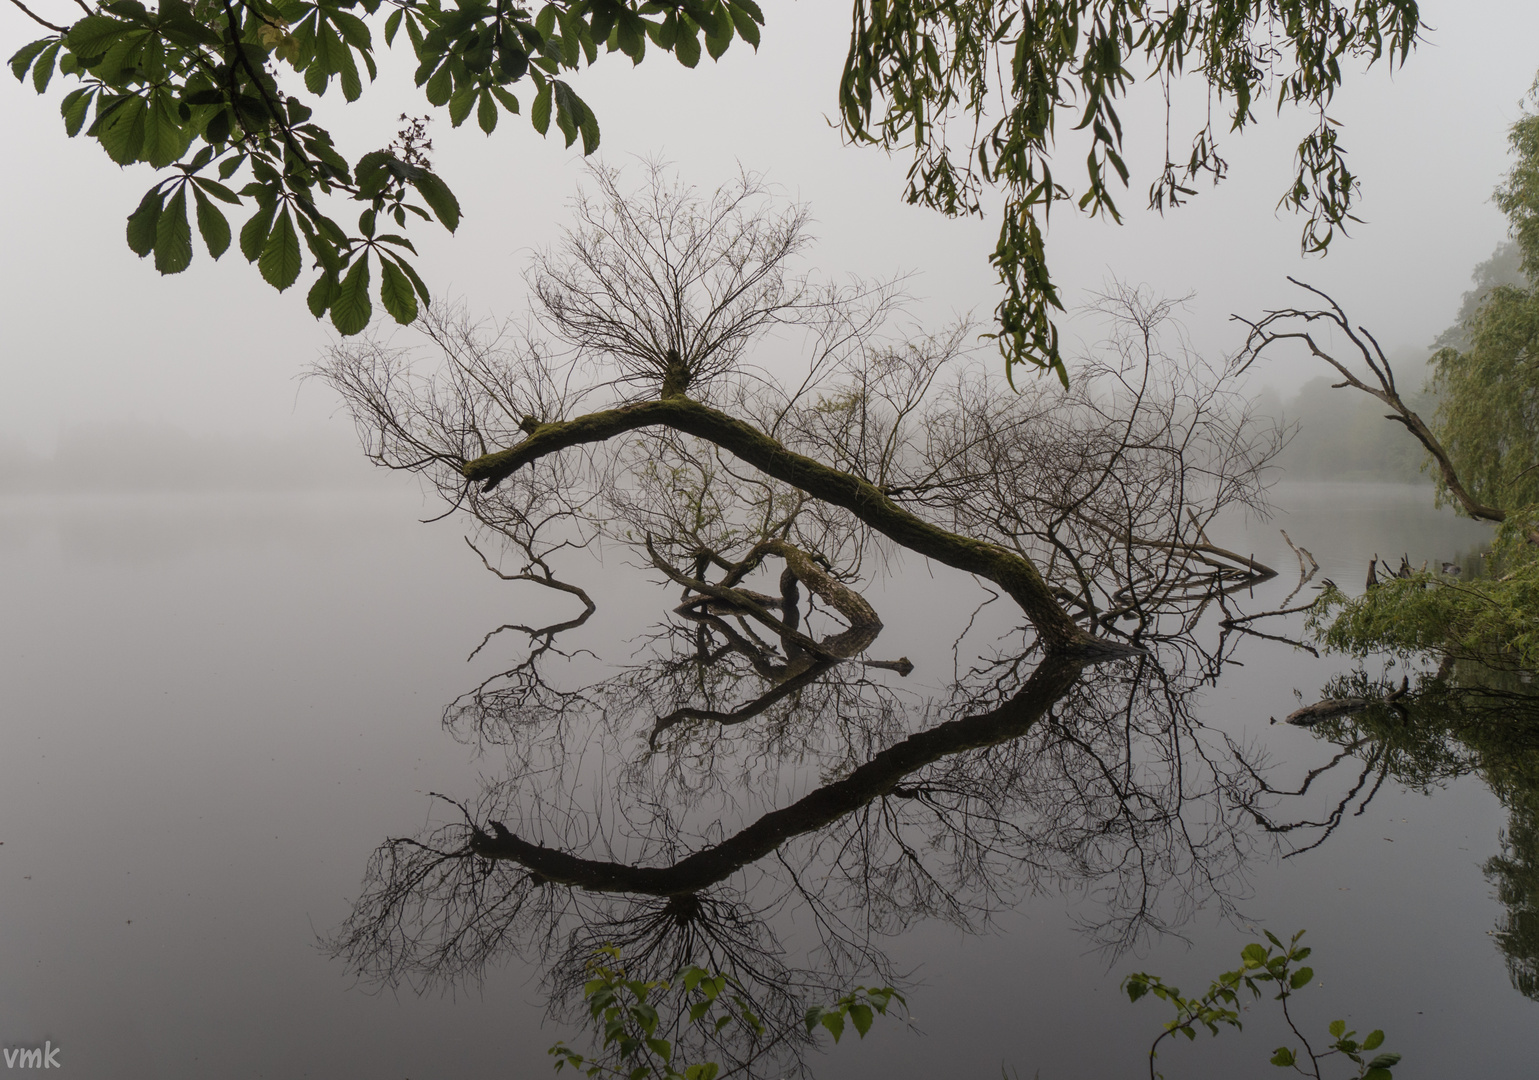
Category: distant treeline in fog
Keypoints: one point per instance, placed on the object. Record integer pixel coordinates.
(1343, 435)
(139, 457)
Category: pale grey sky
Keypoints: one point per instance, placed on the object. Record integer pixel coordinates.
(89, 334)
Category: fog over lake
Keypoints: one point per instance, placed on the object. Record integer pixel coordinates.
(296, 779)
(218, 703)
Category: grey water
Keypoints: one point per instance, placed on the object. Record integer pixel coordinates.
(214, 706)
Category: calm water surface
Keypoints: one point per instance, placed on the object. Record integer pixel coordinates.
(214, 708)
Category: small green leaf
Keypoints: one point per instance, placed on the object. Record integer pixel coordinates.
(74, 108)
(686, 47)
(418, 283)
(568, 112)
(322, 293)
(22, 58)
(590, 131)
(352, 85)
(717, 43)
(280, 261)
(703, 12)
(860, 1016)
(834, 1023)
(1338, 1028)
(747, 29)
(438, 196)
(1283, 1058)
(217, 190)
(631, 35)
(173, 235)
(121, 129)
(42, 70)
(539, 115)
(253, 235)
(509, 102)
(166, 137)
(440, 86)
(486, 113)
(92, 35)
(1254, 955)
(395, 292)
(142, 222)
(212, 225)
(351, 308)
(1385, 1061)
(354, 30)
(460, 104)
(1300, 978)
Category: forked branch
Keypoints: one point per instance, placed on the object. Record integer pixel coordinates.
(1275, 327)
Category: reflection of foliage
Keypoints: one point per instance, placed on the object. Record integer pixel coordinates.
(1515, 874)
(699, 844)
(1507, 747)
(1260, 965)
(1464, 719)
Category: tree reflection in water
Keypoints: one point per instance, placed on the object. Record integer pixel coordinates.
(1434, 727)
(775, 807)
(759, 795)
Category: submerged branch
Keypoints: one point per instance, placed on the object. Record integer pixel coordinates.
(1014, 573)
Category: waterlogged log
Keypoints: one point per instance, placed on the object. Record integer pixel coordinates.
(1013, 573)
(1328, 709)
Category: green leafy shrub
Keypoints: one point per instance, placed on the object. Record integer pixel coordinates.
(1492, 620)
(635, 1034)
(1281, 966)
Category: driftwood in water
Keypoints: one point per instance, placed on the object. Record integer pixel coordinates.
(1330, 708)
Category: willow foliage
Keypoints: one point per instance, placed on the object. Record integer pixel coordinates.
(217, 96)
(1489, 391)
(1007, 71)
(1493, 620)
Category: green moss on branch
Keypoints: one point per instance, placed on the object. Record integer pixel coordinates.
(1013, 573)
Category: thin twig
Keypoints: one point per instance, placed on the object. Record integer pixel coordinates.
(42, 21)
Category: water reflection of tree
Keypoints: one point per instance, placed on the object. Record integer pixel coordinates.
(698, 840)
(1438, 726)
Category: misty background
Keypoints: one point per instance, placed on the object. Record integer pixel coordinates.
(116, 377)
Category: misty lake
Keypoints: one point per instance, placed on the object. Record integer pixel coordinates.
(218, 706)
